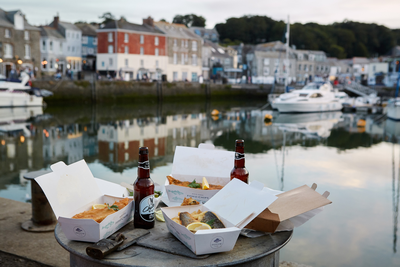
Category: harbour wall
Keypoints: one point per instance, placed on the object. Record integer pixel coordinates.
(67, 91)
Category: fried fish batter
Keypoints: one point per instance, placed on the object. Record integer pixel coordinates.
(174, 181)
(189, 201)
(185, 218)
(100, 214)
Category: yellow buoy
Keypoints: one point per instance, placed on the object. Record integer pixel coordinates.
(215, 112)
(268, 119)
(361, 123)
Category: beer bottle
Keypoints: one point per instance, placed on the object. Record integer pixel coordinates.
(143, 193)
(239, 171)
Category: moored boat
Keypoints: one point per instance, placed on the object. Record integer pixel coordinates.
(314, 97)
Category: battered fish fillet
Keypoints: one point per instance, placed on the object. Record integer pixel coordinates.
(189, 201)
(174, 181)
(100, 214)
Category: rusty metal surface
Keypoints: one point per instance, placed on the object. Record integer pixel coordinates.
(260, 251)
(43, 218)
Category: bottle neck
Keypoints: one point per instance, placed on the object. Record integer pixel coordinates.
(239, 157)
(143, 167)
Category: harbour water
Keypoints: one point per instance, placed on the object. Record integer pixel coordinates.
(358, 165)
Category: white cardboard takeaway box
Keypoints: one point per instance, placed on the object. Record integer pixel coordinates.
(195, 163)
(73, 189)
(236, 205)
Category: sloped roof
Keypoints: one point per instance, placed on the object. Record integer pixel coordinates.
(204, 30)
(50, 32)
(175, 30)
(87, 29)
(68, 26)
(216, 50)
(125, 25)
(5, 20)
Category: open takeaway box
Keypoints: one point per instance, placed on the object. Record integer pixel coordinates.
(195, 163)
(292, 209)
(236, 205)
(72, 189)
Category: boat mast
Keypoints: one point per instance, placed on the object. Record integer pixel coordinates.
(287, 54)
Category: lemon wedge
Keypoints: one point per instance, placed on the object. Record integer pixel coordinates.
(205, 184)
(98, 206)
(159, 216)
(195, 226)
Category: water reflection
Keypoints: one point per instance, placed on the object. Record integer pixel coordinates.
(32, 141)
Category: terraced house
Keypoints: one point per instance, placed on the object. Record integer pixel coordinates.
(131, 51)
(19, 43)
(184, 51)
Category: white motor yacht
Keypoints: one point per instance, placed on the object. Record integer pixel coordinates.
(314, 97)
(393, 109)
(19, 94)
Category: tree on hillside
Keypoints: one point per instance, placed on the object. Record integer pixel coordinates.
(344, 39)
(107, 17)
(190, 20)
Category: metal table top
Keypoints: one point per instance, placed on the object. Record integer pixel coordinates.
(245, 251)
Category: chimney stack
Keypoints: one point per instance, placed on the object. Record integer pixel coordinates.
(149, 21)
(55, 21)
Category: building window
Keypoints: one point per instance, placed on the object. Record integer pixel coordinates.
(84, 50)
(186, 43)
(266, 61)
(310, 67)
(141, 51)
(27, 51)
(7, 33)
(186, 58)
(126, 49)
(8, 51)
(61, 47)
(194, 76)
(175, 75)
(110, 36)
(305, 67)
(156, 41)
(44, 63)
(69, 48)
(84, 39)
(156, 63)
(194, 60)
(110, 49)
(126, 62)
(194, 46)
(175, 58)
(141, 63)
(51, 64)
(126, 38)
(26, 35)
(102, 63)
(95, 40)
(156, 52)
(141, 39)
(44, 45)
(182, 59)
(182, 43)
(77, 36)
(73, 49)
(51, 46)
(110, 62)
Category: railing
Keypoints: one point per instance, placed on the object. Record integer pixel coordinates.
(359, 89)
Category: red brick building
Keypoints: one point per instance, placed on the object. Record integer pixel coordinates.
(131, 51)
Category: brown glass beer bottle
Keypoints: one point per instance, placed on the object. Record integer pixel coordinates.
(239, 171)
(143, 193)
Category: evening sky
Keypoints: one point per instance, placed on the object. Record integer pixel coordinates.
(39, 12)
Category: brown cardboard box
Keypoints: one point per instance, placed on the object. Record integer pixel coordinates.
(289, 205)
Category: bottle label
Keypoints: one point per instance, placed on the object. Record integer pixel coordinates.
(146, 208)
(144, 165)
(239, 156)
